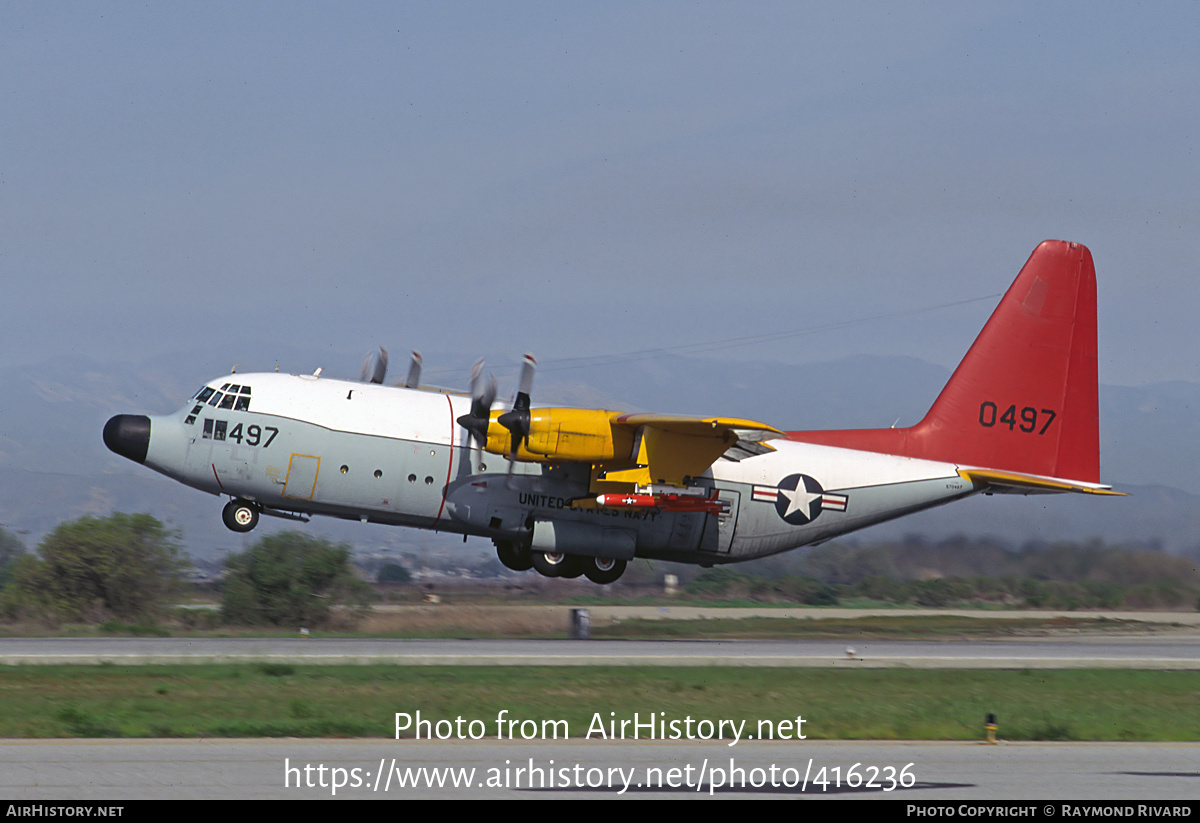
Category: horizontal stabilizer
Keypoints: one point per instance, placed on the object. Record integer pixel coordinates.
(1031, 483)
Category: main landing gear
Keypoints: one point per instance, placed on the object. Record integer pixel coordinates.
(240, 515)
(604, 570)
(520, 558)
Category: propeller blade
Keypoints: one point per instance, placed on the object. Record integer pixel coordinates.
(414, 371)
(482, 396)
(481, 404)
(517, 420)
(528, 367)
(380, 366)
(508, 478)
(377, 371)
(476, 371)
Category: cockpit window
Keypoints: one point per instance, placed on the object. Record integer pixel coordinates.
(233, 397)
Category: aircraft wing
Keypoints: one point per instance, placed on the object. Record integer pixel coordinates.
(750, 430)
(671, 448)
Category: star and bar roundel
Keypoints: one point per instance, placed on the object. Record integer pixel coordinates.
(799, 499)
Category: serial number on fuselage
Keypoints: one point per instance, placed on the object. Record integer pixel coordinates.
(216, 430)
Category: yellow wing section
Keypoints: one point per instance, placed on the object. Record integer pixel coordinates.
(672, 449)
(641, 449)
(701, 426)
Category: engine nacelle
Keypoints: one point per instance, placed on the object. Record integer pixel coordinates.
(561, 434)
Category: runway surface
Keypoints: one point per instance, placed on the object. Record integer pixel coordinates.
(1150, 652)
(595, 770)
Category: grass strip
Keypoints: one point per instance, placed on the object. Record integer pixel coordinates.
(891, 627)
(283, 700)
(539, 622)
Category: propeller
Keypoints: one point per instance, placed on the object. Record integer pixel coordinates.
(482, 396)
(374, 372)
(517, 419)
(414, 372)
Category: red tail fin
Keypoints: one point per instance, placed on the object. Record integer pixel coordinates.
(1024, 399)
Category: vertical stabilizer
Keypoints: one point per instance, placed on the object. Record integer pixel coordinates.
(1024, 399)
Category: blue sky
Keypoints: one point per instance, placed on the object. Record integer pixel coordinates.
(581, 179)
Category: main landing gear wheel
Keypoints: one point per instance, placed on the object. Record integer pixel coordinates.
(604, 570)
(513, 555)
(240, 515)
(557, 564)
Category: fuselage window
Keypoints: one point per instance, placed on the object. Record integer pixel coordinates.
(208, 428)
(219, 433)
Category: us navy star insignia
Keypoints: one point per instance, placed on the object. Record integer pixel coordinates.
(800, 498)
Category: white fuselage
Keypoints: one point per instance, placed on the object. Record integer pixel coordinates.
(310, 445)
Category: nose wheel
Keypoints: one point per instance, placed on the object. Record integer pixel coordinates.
(240, 515)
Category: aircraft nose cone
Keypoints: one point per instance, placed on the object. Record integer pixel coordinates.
(129, 436)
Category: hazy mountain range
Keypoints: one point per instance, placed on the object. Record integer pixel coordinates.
(55, 466)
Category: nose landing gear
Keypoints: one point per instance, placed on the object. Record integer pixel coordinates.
(240, 515)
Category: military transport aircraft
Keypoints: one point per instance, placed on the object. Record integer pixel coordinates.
(584, 491)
